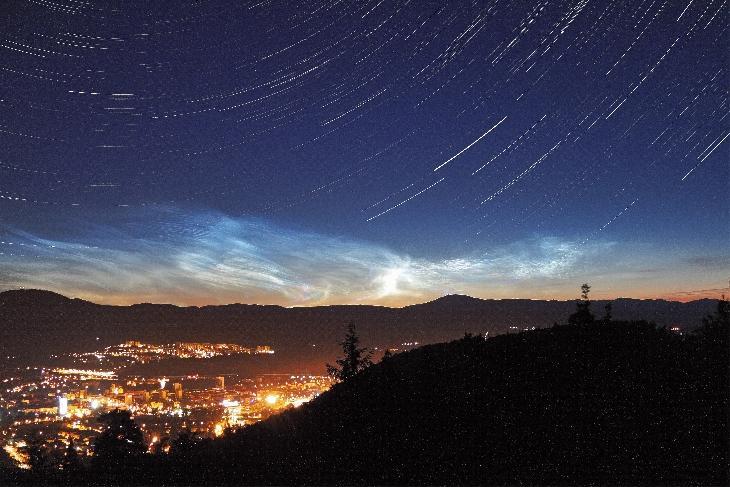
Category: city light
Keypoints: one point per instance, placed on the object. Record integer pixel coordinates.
(62, 404)
(15, 453)
(98, 374)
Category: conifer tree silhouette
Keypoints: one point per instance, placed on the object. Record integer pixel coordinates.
(355, 358)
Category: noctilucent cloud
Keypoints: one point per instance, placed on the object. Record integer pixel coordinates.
(382, 152)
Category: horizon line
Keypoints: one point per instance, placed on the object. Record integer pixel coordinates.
(180, 305)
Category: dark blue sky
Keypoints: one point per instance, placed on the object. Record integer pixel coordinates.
(369, 151)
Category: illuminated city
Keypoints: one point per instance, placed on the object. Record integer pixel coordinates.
(61, 404)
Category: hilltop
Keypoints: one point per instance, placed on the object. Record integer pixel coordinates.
(619, 403)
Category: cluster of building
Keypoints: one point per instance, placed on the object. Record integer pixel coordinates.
(134, 351)
(60, 405)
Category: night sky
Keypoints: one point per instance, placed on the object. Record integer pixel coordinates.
(364, 151)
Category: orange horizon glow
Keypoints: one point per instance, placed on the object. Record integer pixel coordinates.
(389, 301)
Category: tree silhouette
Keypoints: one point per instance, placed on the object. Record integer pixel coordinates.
(607, 317)
(70, 462)
(162, 447)
(719, 320)
(120, 442)
(716, 327)
(185, 443)
(355, 358)
(39, 459)
(582, 315)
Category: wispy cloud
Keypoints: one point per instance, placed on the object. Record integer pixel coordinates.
(212, 258)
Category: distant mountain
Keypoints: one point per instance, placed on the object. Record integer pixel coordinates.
(34, 297)
(35, 323)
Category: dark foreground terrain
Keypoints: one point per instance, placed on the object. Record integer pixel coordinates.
(622, 403)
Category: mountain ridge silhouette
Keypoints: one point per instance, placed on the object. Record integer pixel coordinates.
(38, 323)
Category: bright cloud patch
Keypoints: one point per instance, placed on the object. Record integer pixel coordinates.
(217, 259)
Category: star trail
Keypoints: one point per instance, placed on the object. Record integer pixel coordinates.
(364, 151)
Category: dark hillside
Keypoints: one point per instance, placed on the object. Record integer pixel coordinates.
(607, 403)
(623, 403)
